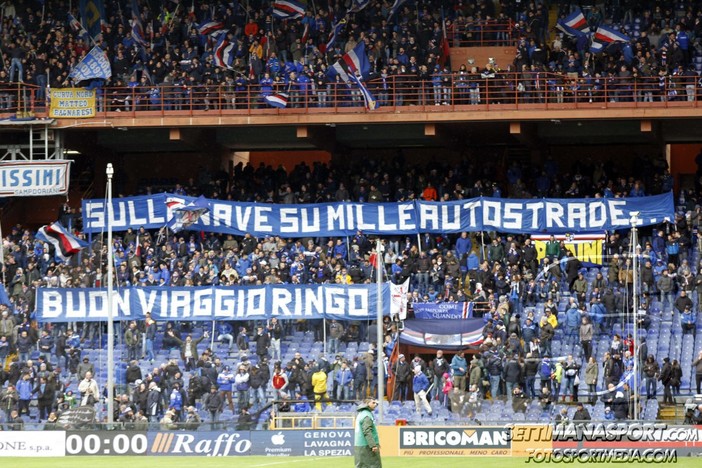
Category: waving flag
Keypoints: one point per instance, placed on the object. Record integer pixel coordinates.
(279, 100)
(65, 244)
(185, 215)
(605, 36)
(358, 5)
(350, 63)
(574, 24)
(368, 98)
(288, 9)
(94, 65)
(445, 49)
(92, 16)
(305, 34)
(336, 30)
(76, 25)
(395, 7)
(224, 52)
(210, 27)
(137, 27)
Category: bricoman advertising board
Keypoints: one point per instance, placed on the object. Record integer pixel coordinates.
(459, 441)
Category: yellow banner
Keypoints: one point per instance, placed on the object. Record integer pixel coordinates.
(72, 103)
(587, 249)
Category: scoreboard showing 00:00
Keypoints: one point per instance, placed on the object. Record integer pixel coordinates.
(118, 443)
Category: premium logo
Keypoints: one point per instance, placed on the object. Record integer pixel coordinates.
(278, 439)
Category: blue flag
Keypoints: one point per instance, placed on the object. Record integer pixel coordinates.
(395, 7)
(336, 30)
(92, 14)
(4, 298)
(94, 65)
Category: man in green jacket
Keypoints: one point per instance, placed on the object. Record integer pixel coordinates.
(553, 249)
(366, 442)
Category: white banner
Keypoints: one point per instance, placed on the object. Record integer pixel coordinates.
(34, 178)
(33, 444)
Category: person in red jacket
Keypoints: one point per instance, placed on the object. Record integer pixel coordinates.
(429, 193)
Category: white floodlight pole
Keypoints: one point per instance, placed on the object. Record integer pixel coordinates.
(635, 312)
(379, 306)
(110, 314)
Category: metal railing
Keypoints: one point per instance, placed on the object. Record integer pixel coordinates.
(397, 93)
(331, 420)
(482, 34)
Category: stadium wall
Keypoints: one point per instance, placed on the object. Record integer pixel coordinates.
(479, 56)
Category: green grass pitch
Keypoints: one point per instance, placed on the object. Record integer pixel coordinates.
(275, 462)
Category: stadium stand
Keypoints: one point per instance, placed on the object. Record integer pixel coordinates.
(172, 59)
(511, 280)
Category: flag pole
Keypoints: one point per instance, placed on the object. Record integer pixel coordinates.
(2, 249)
(213, 335)
(109, 171)
(379, 324)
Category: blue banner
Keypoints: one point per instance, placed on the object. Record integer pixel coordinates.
(92, 14)
(94, 65)
(203, 443)
(551, 216)
(342, 302)
(443, 310)
(287, 443)
(301, 443)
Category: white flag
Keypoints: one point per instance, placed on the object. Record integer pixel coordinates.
(399, 295)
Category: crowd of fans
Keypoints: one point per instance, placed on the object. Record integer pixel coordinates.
(175, 68)
(498, 270)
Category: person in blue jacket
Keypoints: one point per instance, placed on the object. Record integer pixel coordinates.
(420, 386)
(225, 379)
(572, 323)
(24, 393)
(463, 245)
(688, 321)
(459, 368)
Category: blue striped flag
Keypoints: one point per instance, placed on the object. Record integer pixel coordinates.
(354, 61)
(65, 244)
(369, 100)
(288, 9)
(279, 100)
(574, 24)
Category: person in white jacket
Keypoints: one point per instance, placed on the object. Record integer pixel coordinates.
(89, 391)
